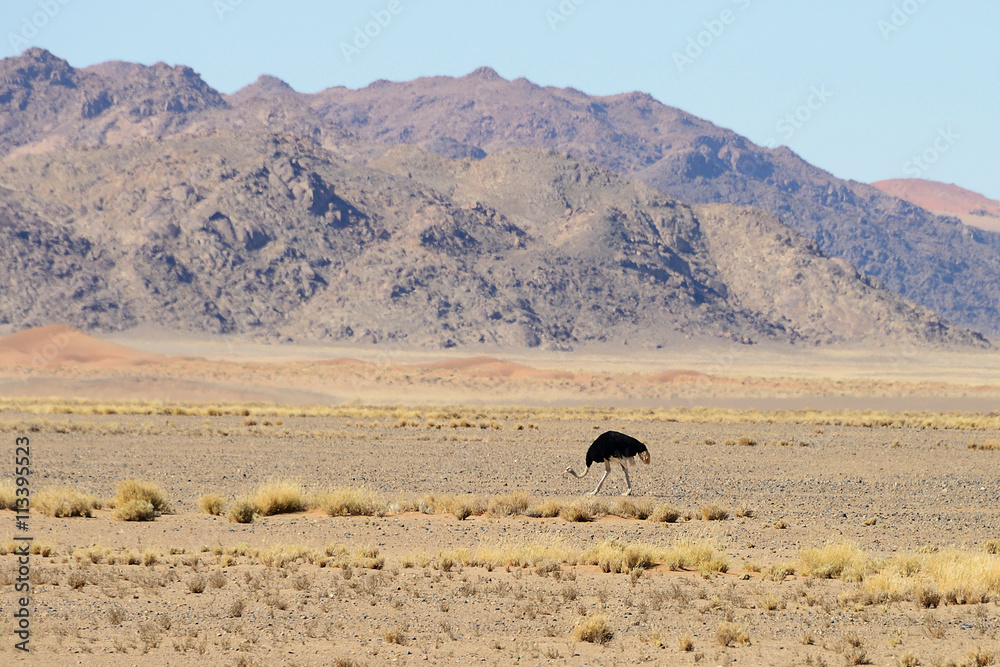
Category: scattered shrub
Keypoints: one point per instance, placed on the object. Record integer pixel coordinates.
(594, 629)
(575, 512)
(64, 502)
(242, 511)
(279, 497)
(351, 502)
(135, 490)
(7, 494)
(729, 634)
(508, 505)
(713, 513)
(136, 509)
(211, 503)
(664, 514)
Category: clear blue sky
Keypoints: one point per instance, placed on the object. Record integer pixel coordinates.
(886, 91)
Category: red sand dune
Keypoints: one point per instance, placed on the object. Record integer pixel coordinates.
(59, 344)
(492, 367)
(943, 198)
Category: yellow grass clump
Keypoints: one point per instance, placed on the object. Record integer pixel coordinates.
(93, 554)
(714, 513)
(508, 553)
(632, 508)
(211, 503)
(594, 629)
(694, 555)
(545, 510)
(280, 555)
(664, 514)
(64, 502)
(575, 512)
(136, 509)
(136, 490)
(963, 577)
(730, 634)
(279, 497)
(834, 561)
(8, 494)
(242, 511)
(990, 445)
(366, 557)
(616, 556)
(350, 502)
(462, 507)
(511, 504)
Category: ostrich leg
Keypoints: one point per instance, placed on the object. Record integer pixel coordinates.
(628, 482)
(607, 471)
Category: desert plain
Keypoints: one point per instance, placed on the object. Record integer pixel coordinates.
(839, 510)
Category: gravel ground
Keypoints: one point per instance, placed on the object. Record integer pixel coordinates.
(885, 490)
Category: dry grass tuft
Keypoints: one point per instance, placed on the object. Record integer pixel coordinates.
(212, 503)
(714, 513)
(618, 557)
(64, 502)
(242, 511)
(834, 561)
(686, 642)
(547, 509)
(395, 636)
(664, 514)
(8, 494)
(280, 497)
(575, 512)
(133, 489)
(731, 634)
(689, 554)
(351, 502)
(511, 504)
(462, 507)
(280, 555)
(136, 509)
(594, 629)
(632, 508)
(979, 658)
(990, 445)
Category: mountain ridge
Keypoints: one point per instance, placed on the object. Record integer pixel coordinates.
(273, 214)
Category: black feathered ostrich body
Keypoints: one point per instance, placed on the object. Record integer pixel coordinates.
(613, 446)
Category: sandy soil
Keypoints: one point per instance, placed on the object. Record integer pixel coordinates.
(889, 491)
(885, 490)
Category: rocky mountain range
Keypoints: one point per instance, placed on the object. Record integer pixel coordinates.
(447, 212)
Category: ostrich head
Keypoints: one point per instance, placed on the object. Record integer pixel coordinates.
(644, 457)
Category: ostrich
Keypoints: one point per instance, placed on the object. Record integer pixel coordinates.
(613, 446)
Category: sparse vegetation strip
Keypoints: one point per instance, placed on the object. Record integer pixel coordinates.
(268, 417)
